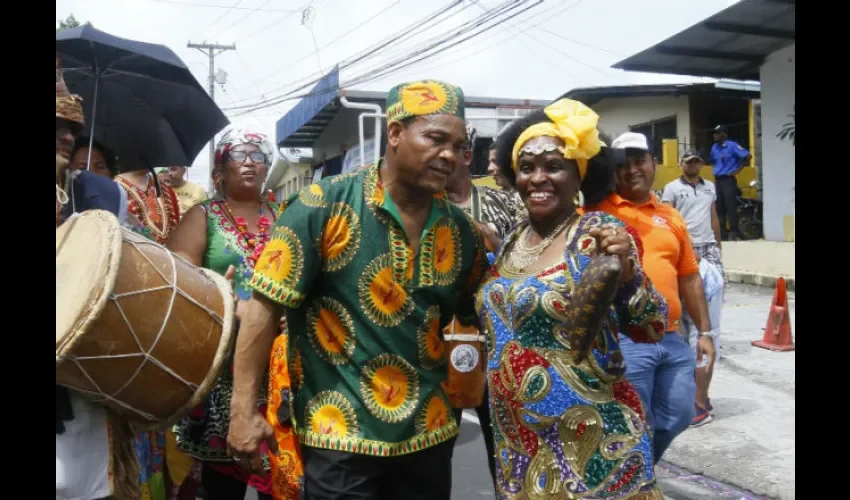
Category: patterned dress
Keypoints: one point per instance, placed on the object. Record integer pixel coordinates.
(203, 434)
(562, 428)
(158, 216)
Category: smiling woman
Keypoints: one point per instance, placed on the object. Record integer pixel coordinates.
(566, 421)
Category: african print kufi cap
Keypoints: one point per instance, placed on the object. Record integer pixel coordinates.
(237, 136)
(68, 106)
(425, 97)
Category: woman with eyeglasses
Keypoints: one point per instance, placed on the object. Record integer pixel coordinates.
(231, 229)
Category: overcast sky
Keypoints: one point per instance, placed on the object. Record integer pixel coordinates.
(540, 54)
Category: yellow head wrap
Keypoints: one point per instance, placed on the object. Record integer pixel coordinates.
(572, 122)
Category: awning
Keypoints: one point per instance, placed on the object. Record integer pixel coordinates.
(730, 44)
(303, 124)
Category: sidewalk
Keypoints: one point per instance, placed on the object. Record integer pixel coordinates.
(750, 442)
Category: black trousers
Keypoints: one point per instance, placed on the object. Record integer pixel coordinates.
(483, 413)
(727, 203)
(337, 475)
(218, 486)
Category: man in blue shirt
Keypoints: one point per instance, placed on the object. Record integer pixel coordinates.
(728, 158)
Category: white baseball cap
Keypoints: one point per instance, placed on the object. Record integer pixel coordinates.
(631, 140)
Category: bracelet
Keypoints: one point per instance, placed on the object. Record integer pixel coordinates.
(706, 334)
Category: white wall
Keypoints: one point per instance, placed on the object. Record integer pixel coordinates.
(343, 128)
(778, 84)
(617, 114)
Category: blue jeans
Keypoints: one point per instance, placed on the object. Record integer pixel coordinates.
(663, 375)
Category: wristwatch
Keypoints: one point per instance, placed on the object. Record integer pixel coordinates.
(706, 334)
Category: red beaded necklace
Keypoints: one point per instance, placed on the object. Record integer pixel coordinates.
(257, 243)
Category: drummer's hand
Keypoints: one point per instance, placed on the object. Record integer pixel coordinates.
(244, 438)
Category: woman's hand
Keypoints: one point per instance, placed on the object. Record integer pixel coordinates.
(613, 240)
(491, 239)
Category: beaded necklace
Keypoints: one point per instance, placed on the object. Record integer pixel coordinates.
(255, 243)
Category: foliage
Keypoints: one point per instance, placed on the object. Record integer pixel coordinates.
(68, 22)
(787, 132)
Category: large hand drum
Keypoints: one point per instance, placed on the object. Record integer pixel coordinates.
(137, 328)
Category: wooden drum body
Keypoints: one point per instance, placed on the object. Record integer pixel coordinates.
(467, 356)
(138, 328)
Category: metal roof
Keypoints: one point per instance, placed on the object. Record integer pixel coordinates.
(730, 44)
(591, 95)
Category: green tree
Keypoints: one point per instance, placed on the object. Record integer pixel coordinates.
(68, 22)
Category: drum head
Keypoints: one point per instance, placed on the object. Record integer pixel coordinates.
(88, 251)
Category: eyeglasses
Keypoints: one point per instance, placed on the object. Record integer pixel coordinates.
(256, 156)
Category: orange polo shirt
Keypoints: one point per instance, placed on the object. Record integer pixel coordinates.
(667, 251)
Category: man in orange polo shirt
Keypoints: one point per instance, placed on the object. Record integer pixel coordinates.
(662, 373)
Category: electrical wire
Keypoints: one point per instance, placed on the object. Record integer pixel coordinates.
(405, 60)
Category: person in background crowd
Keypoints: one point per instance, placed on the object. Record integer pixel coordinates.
(559, 397)
(728, 158)
(368, 268)
(695, 199)
(232, 229)
(156, 209)
(516, 207)
(103, 161)
(663, 373)
(188, 193)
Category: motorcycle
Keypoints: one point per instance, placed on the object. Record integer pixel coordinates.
(750, 222)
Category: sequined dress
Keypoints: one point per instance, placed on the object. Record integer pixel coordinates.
(561, 427)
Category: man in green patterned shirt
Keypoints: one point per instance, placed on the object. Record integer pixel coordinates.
(368, 268)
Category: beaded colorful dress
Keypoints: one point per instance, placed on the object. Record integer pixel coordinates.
(158, 215)
(561, 428)
(203, 434)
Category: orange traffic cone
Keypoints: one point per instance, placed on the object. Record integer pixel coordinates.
(777, 333)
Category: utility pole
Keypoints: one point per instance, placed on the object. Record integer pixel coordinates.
(211, 50)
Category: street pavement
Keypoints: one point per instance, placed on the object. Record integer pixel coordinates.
(745, 453)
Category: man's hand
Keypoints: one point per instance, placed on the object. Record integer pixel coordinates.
(705, 346)
(244, 438)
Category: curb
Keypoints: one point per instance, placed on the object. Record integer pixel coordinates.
(765, 280)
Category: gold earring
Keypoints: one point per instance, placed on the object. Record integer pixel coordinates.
(578, 200)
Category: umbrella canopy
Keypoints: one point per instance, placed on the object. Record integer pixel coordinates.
(139, 98)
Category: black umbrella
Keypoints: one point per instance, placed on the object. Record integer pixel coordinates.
(139, 98)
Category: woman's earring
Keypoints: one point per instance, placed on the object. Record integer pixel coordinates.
(579, 199)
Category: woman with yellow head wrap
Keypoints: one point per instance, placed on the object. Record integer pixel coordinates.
(566, 422)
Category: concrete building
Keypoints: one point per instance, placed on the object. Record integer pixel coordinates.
(322, 122)
(753, 40)
(287, 177)
(685, 114)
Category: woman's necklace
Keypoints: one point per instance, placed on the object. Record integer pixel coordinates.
(255, 243)
(523, 255)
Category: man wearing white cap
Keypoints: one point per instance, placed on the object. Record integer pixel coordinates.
(695, 198)
(662, 373)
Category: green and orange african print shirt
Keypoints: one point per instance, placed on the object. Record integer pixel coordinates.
(365, 313)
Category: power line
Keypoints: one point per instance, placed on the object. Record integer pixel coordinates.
(223, 14)
(244, 18)
(365, 53)
(209, 6)
(404, 61)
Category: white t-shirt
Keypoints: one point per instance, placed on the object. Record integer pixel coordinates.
(83, 454)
